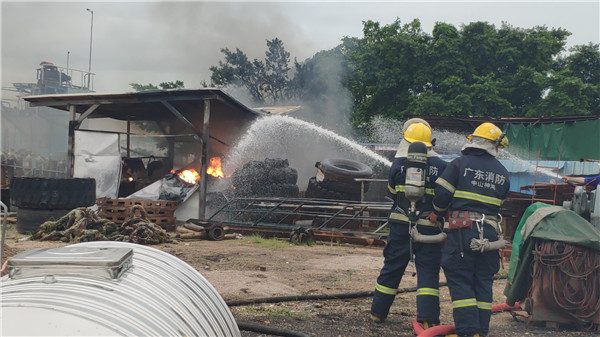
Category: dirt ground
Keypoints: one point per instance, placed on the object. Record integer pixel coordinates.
(241, 269)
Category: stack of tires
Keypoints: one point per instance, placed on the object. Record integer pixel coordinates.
(43, 199)
(335, 180)
(268, 178)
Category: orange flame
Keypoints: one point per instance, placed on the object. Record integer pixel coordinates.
(214, 168)
(189, 176)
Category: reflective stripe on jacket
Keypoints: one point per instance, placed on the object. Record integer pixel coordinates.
(476, 181)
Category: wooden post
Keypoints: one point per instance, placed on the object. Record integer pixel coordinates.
(71, 140)
(204, 166)
(128, 139)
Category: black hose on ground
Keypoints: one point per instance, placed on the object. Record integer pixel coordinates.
(271, 330)
(340, 296)
(275, 331)
(313, 297)
(299, 298)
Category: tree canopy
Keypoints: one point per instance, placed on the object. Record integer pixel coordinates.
(398, 70)
(267, 81)
(163, 85)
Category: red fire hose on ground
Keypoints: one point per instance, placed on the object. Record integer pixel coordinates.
(449, 329)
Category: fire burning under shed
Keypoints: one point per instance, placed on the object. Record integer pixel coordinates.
(210, 117)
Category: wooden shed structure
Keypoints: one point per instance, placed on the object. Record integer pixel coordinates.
(209, 118)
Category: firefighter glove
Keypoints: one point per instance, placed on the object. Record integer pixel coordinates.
(484, 245)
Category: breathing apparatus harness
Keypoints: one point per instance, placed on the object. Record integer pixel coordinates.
(416, 169)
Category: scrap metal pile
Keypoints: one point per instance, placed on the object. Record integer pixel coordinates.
(555, 267)
(82, 225)
(568, 280)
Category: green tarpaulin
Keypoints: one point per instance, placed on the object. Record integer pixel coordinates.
(568, 141)
(554, 223)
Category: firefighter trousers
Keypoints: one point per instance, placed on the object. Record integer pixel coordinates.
(470, 278)
(396, 258)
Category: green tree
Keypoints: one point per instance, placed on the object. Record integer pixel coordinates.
(584, 64)
(277, 68)
(266, 81)
(384, 66)
(172, 85)
(319, 78)
(142, 87)
(478, 70)
(238, 70)
(566, 95)
(163, 85)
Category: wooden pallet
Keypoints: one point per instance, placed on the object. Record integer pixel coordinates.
(160, 212)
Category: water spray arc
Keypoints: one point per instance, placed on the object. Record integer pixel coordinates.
(302, 143)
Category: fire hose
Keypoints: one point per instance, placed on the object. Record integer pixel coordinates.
(419, 330)
(449, 329)
(254, 327)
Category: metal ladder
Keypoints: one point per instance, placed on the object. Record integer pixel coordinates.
(552, 186)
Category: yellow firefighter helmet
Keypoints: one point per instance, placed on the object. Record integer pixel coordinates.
(418, 132)
(491, 132)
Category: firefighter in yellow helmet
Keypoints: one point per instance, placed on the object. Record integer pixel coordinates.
(490, 132)
(418, 133)
(399, 248)
(469, 194)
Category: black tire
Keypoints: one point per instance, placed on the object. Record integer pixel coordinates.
(29, 220)
(349, 187)
(276, 163)
(344, 169)
(311, 189)
(320, 191)
(285, 175)
(52, 193)
(268, 178)
(282, 190)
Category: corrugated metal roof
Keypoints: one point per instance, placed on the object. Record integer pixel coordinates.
(575, 168)
(142, 105)
(523, 172)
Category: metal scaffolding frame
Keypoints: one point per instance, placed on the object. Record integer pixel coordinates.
(344, 220)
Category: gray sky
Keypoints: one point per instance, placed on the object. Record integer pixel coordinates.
(157, 41)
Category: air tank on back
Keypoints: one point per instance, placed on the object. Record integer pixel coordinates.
(109, 288)
(416, 165)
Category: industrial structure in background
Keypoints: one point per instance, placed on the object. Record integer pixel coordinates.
(43, 155)
(53, 79)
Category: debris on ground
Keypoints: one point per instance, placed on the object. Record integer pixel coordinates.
(82, 225)
(213, 232)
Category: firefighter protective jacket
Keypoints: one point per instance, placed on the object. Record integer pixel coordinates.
(396, 188)
(475, 182)
(592, 181)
